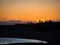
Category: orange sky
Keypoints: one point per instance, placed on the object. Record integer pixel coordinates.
(30, 10)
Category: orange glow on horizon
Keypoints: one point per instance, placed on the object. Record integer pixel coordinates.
(29, 10)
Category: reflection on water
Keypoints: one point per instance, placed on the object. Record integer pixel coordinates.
(19, 40)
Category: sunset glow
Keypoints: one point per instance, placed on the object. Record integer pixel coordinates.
(43, 20)
(30, 10)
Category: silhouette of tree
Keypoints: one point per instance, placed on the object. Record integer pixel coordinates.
(30, 23)
(50, 21)
(40, 21)
(46, 21)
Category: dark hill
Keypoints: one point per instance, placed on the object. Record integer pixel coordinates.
(42, 31)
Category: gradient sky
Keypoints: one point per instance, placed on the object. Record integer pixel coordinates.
(30, 10)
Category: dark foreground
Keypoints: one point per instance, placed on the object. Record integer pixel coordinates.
(47, 32)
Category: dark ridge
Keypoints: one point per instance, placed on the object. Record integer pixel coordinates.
(28, 44)
(42, 31)
(42, 27)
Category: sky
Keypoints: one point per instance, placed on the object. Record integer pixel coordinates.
(30, 10)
